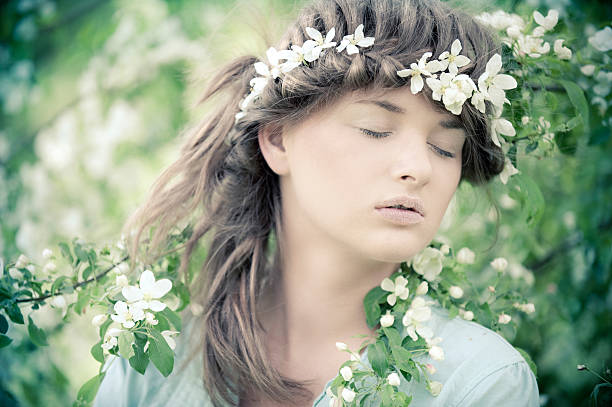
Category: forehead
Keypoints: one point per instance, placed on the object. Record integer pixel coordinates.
(400, 102)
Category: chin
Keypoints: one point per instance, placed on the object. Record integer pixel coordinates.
(394, 253)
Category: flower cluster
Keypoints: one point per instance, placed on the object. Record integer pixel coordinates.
(141, 303)
(308, 52)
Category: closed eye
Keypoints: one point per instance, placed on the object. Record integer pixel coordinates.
(376, 134)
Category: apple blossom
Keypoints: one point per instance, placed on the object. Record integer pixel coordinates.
(148, 292)
(434, 388)
(346, 373)
(561, 51)
(352, 41)
(453, 60)
(428, 263)
(455, 291)
(430, 368)
(47, 253)
(387, 320)
(504, 318)
(499, 263)
(99, 319)
(397, 289)
(348, 395)
(422, 288)
(393, 379)
(465, 256)
(421, 68)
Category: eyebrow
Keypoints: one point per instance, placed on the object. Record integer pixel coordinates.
(449, 123)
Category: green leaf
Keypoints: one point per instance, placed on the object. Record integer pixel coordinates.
(529, 361)
(97, 352)
(394, 337)
(126, 339)
(530, 196)
(14, 313)
(377, 355)
(4, 341)
(87, 272)
(371, 305)
(3, 324)
(173, 317)
(387, 396)
(576, 96)
(37, 335)
(58, 283)
(140, 360)
(80, 253)
(88, 391)
(82, 301)
(66, 252)
(160, 353)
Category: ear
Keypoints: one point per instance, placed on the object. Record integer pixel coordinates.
(272, 145)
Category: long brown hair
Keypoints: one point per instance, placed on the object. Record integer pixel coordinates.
(224, 188)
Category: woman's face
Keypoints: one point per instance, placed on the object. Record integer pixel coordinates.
(341, 164)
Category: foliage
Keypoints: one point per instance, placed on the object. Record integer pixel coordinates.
(60, 136)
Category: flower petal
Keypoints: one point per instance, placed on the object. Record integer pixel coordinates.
(387, 285)
(156, 306)
(131, 293)
(147, 279)
(503, 81)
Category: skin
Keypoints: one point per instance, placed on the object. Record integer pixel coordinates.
(336, 245)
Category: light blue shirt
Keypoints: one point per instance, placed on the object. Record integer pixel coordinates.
(480, 368)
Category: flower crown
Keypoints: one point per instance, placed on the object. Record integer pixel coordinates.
(442, 75)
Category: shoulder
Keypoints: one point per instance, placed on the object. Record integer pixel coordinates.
(123, 386)
(480, 367)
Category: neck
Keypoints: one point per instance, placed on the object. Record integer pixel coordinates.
(318, 298)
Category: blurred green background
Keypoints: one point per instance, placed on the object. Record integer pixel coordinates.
(94, 97)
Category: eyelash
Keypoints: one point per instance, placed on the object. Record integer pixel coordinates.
(376, 134)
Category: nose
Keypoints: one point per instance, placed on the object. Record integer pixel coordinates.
(412, 163)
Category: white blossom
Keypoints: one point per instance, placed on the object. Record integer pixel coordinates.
(500, 20)
(348, 395)
(501, 126)
(393, 379)
(341, 346)
(47, 253)
(148, 292)
(493, 85)
(294, 57)
(397, 289)
(121, 268)
(528, 308)
(15, 273)
(387, 320)
(127, 315)
(508, 171)
(320, 43)
(531, 45)
(430, 368)
(499, 263)
(414, 317)
(434, 388)
(49, 267)
(422, 288)
(22, 261)
(588, 69)
(467, 315)
(110, 338)
(561, 51)
(428, 263)
(436, 353)
(452, 90)
(121, 281)
(346, 373)
(453, 60)
(352, 41)
(99, 319)
(465, 256)
(421, 68)
(504, 318)
(602, 40)
(549, 22)
(150, 318)
(455, 291)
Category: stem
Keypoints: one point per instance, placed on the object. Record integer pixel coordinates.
(75, 286)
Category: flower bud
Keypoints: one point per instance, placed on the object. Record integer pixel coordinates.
(491, 288)
(387, 320)
(445, 249)
(499, 264)
(22, 261)
(468, 315)
(422, 288)
(588, 70)
(436, 353)
(581, 367)
(47, 253)
(455, 291)
(347, 373)
(341, 346)
(121, 281)
(434, 388)
(393, 379)
(348, 395)
(430, 368)
(59, 301)
(466, 256)
(504, 318)
(98, 319)
(14, 273)
(49, 267)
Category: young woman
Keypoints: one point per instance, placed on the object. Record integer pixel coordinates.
(291, 188)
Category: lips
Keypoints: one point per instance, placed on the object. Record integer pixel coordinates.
(405, 202)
